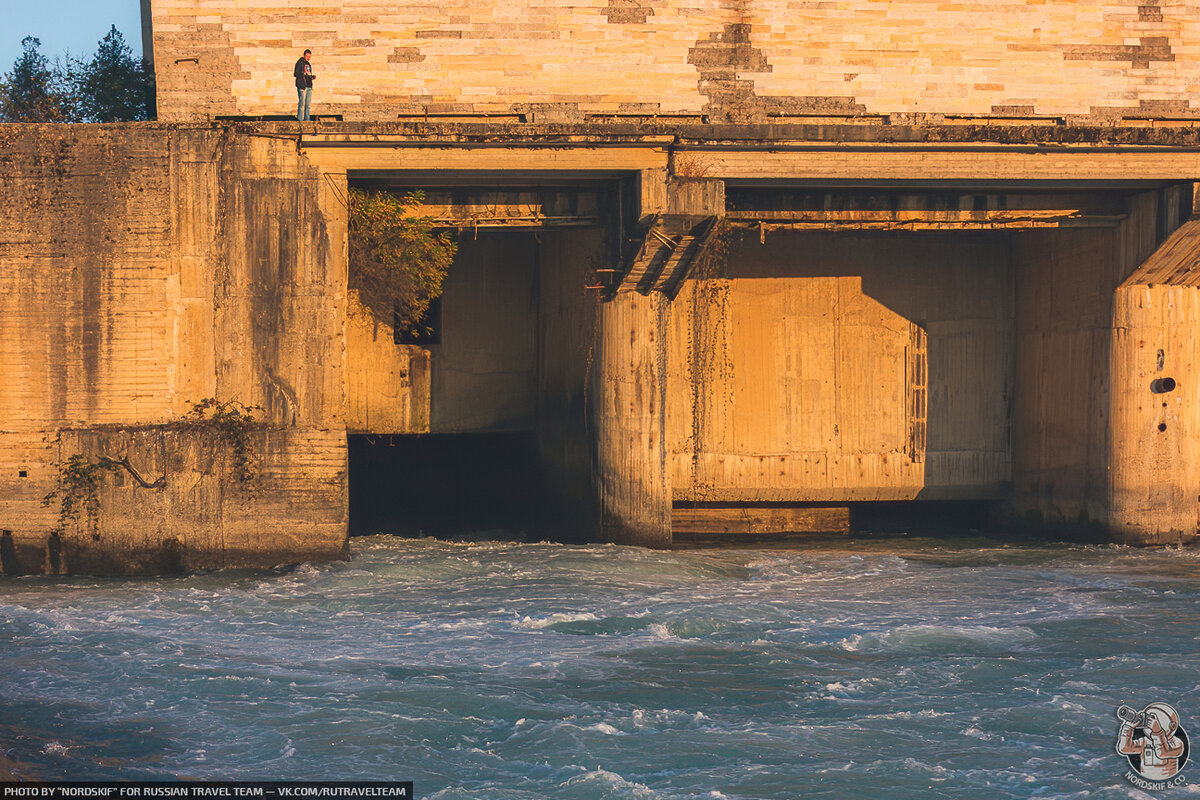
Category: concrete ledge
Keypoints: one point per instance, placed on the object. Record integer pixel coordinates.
(931, 130)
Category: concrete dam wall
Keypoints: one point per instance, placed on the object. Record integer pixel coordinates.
(724, 270)
(146, 268)
(673, 343)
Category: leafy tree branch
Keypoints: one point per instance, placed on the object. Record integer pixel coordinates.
(398, 259)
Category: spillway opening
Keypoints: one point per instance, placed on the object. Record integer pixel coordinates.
(923, 517)
(443, 484)
(755, 524)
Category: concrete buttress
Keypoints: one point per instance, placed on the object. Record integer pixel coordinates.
(1154, 464)
(635, 494)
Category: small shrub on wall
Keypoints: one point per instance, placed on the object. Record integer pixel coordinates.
(398, 259)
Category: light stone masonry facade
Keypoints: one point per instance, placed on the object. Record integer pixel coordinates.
(726, 60)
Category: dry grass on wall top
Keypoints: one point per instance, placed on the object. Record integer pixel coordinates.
(398, 259)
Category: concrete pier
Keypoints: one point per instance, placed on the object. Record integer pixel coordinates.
(635, 490)
(1154, 424)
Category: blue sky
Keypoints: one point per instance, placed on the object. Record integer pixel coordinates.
(74, 25)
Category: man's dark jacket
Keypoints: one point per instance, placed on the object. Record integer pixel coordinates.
(303, 75)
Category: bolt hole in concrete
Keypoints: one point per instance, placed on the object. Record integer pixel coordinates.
(1162, 385)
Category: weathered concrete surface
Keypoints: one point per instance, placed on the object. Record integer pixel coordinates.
(567, 335)
(748, 521)
(631, 380)
(387, 384)
(964, 365)
(835, 367)
(484, 369)
(1155, 448)
(631, 463)
(749, 60)
(1063, 422)
(864, 366)
(144, 269)
(205, 516)
(908, 129)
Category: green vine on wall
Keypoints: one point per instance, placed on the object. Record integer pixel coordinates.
(80, 478)
(77, 488)
(233, 422)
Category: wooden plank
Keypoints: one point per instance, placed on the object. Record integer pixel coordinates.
(758, 521)
(1009, 216)
(455, 157)
(877, 163)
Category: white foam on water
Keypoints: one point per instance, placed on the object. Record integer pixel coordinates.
(847, 767)
(917, 637)
(555, 619)
(607, 782)
(851, 687)
(935, 770)
(924, 713)
(853, 643)
(455, 625)
(660, 632)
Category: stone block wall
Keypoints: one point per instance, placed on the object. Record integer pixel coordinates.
(748, 60)
(144, 268)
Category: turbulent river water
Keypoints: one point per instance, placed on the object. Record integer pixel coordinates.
(889, 668)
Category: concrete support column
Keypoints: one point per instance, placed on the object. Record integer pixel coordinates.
(1154, 466)
(630, 380)
(630, 420)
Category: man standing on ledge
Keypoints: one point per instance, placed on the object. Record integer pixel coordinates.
(304, 79)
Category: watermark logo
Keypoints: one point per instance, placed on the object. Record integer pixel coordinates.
(1154, 744)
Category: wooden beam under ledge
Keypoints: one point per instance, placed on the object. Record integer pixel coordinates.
(758, 521)
(919, 220)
